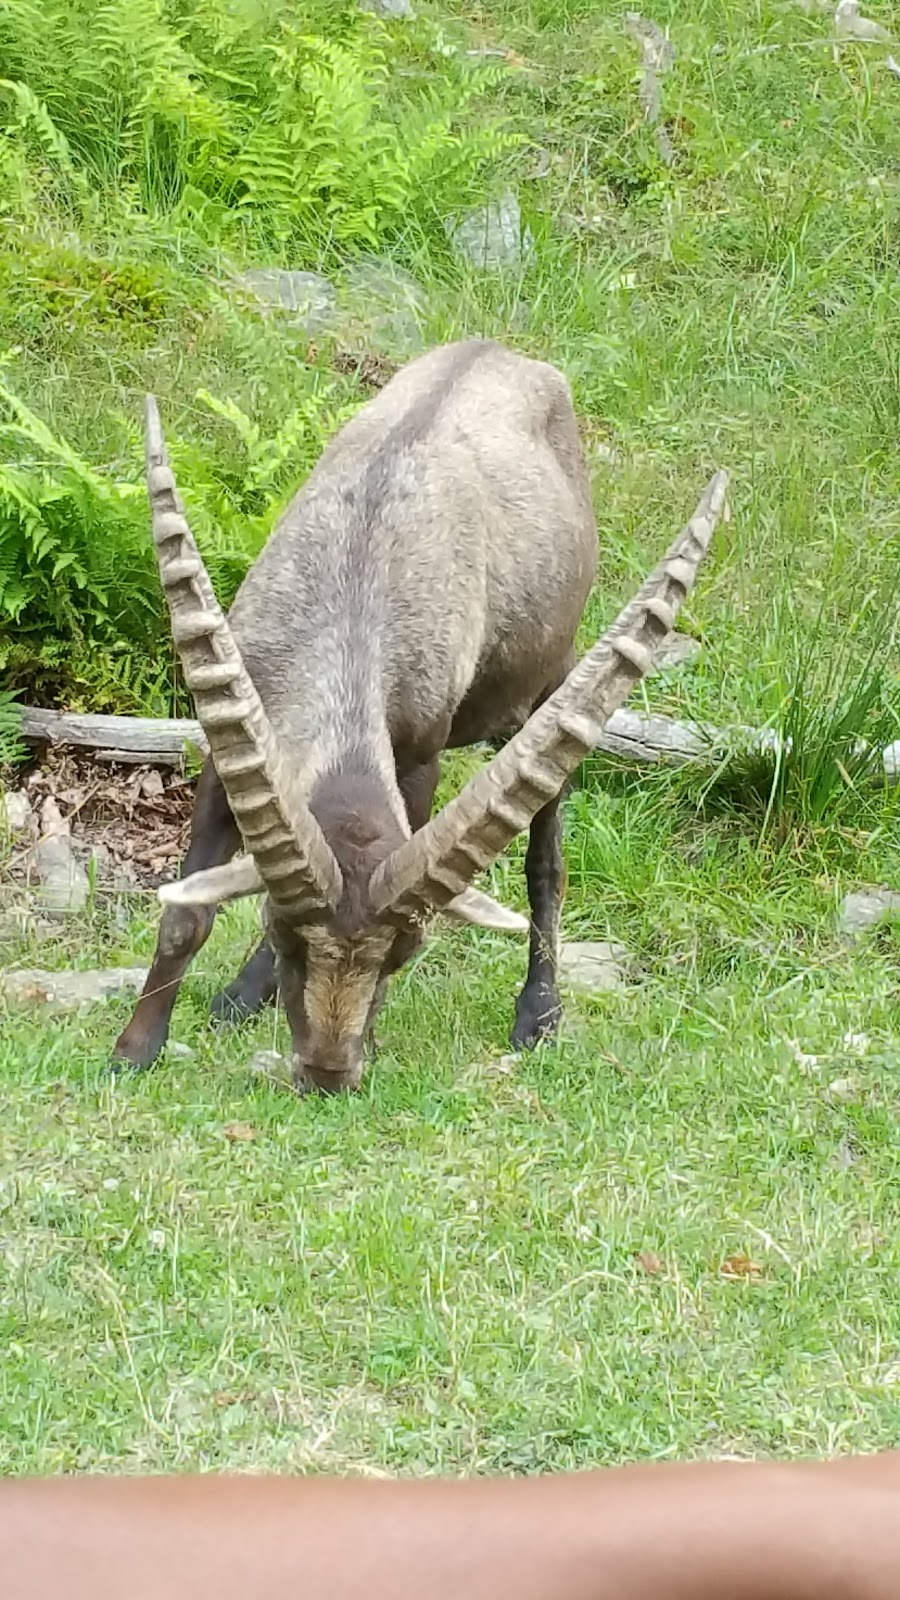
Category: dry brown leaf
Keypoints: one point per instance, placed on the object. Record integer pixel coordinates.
(650, 1262)
(740, 1266)
(239, 1132)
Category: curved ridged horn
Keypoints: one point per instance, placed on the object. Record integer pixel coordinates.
(293, 859)
(436, 864)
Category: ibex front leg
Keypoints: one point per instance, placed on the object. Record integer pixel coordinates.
(183, 930)
(538, 1008)
(253, 988)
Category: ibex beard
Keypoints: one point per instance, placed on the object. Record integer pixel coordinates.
(421, 592)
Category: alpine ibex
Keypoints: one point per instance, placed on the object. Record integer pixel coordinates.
(422, 591)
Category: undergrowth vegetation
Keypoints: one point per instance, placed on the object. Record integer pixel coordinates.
(481, 1263)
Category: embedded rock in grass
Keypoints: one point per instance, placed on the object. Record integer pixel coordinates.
(387, 305)
(867, 908)
(69, 991)
(593, 966)
(389, 8)
(309, 299)
(848, 24)
(492, 238)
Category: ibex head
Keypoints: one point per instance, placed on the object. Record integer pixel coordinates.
(340, 927)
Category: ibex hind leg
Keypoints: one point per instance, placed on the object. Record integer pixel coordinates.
(183, 929)
(538, 1008)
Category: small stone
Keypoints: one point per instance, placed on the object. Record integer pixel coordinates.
(265, 1063)
(182, 1052)
(846, 1156)
(310, 299)
(111, 1184)
(491, 238)
(890, 757)
(16, 815)
(64, 885)
(151, 784)
(156, 1239)
(843, 1088)
(867, 908)
(848, 24)
(593, 966)
(70, 991)
(389, 8)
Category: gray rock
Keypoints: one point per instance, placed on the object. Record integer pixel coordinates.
(64, 885)
(309, 300)
(491, 238)
(266, 1063)
(890, 757)
(867, 908)
(69, 991)
(389, 8)
(388, 304)
(16, 815)
(182, 1051)
(593, 966)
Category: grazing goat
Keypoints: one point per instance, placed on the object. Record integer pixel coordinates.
(668, 1531)
(421, 591)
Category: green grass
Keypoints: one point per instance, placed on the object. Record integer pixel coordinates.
(440, 1274)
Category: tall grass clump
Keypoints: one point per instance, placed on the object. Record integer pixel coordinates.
(833, 712)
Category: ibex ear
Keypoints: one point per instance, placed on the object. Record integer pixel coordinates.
(482, 912)
(210, 888)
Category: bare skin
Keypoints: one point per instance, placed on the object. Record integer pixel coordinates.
(704, 1531)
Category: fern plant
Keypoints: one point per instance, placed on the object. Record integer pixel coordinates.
(12, 748)
(293, 130)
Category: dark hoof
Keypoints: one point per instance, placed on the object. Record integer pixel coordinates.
(136, 1051)
(324, 1084)
(229, 1008)
(536, 1021)
(119, 1065)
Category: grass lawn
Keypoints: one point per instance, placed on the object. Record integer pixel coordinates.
(676, 1233)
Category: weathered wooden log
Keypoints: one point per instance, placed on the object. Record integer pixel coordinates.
(163, 741)
(154, 741)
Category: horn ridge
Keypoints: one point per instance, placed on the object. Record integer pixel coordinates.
(284, 839)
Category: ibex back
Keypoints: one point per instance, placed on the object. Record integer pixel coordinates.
(421, 591)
